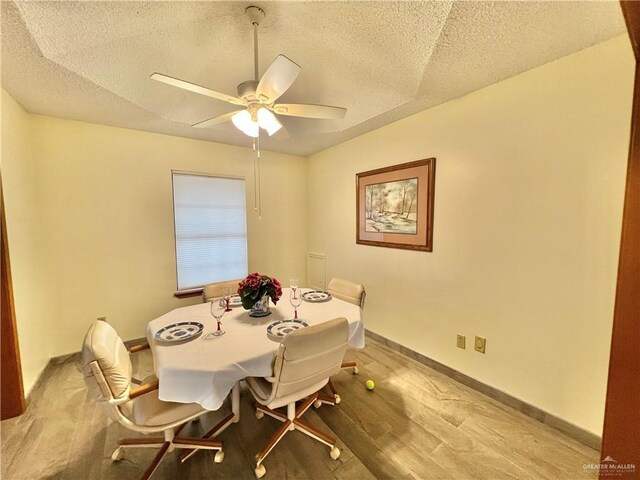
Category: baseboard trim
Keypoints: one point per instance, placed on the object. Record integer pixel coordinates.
(35, 384)
(577, 433)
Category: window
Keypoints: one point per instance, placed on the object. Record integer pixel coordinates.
(211, 229)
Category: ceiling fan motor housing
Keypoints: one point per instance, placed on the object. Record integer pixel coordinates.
(247, 90)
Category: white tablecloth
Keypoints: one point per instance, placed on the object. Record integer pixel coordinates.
(204, 371)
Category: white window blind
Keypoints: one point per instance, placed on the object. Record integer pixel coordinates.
(211, 229)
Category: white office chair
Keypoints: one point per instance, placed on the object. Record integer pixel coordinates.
(212, 291)
(305, 360)
(107, 372)
(353, 293)
(348, 291)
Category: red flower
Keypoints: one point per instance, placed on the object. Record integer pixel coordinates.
(255, 286)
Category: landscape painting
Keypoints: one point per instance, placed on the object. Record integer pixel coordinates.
(391, 207)
(394, 206)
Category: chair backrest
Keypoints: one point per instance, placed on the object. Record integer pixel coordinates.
(348, 291)
(103, 347)
(309, 356)
(214, 290)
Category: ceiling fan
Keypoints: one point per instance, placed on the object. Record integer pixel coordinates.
(258, 96)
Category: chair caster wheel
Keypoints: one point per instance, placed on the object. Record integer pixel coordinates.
(260, 471)
(117, 454)
(355, 370)
(218, 457)
(337, 399)
(317, 403)
(335, 452)
(259, 415)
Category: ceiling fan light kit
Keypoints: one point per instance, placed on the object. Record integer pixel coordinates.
(243, 122)
(251, 120)
(268, 121)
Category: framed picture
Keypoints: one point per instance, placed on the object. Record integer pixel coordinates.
(395, 206)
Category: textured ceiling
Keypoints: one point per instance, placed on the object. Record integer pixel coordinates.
(383, 61)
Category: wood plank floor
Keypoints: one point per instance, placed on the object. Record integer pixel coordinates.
(417, 423)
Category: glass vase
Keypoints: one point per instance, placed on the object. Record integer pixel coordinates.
(261, 308)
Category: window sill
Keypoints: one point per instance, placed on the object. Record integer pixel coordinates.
(191, 292)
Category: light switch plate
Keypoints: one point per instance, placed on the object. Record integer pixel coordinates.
(480, 344)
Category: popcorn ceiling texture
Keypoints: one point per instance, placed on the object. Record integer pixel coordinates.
(384, 61)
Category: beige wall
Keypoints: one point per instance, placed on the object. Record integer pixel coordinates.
(30, 264)
(528, 204)
(529, 187)
(106, 201)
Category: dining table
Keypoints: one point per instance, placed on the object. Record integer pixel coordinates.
(206, 369)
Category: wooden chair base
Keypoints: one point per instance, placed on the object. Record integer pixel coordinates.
(217, 429)
(351, 365)
(291, 421)
(332, 399)
(168, 443)
(334, 393)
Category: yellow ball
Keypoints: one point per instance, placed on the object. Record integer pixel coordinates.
(369, 384)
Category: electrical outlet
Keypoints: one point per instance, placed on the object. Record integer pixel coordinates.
(103, 319)
(461, 341)
(480, 344)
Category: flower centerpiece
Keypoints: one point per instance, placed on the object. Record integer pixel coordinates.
(256, 290)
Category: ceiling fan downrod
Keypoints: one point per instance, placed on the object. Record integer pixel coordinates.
(255, 15)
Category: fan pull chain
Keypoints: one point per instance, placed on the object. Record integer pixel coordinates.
(255, 177)
(259, 180)
(257, 191)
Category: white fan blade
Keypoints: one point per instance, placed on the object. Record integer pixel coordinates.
(211, 122)
(192, 87)
(277, 79)
(310, 111)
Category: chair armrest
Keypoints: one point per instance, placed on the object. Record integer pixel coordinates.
(139, 348)
(143, 389)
